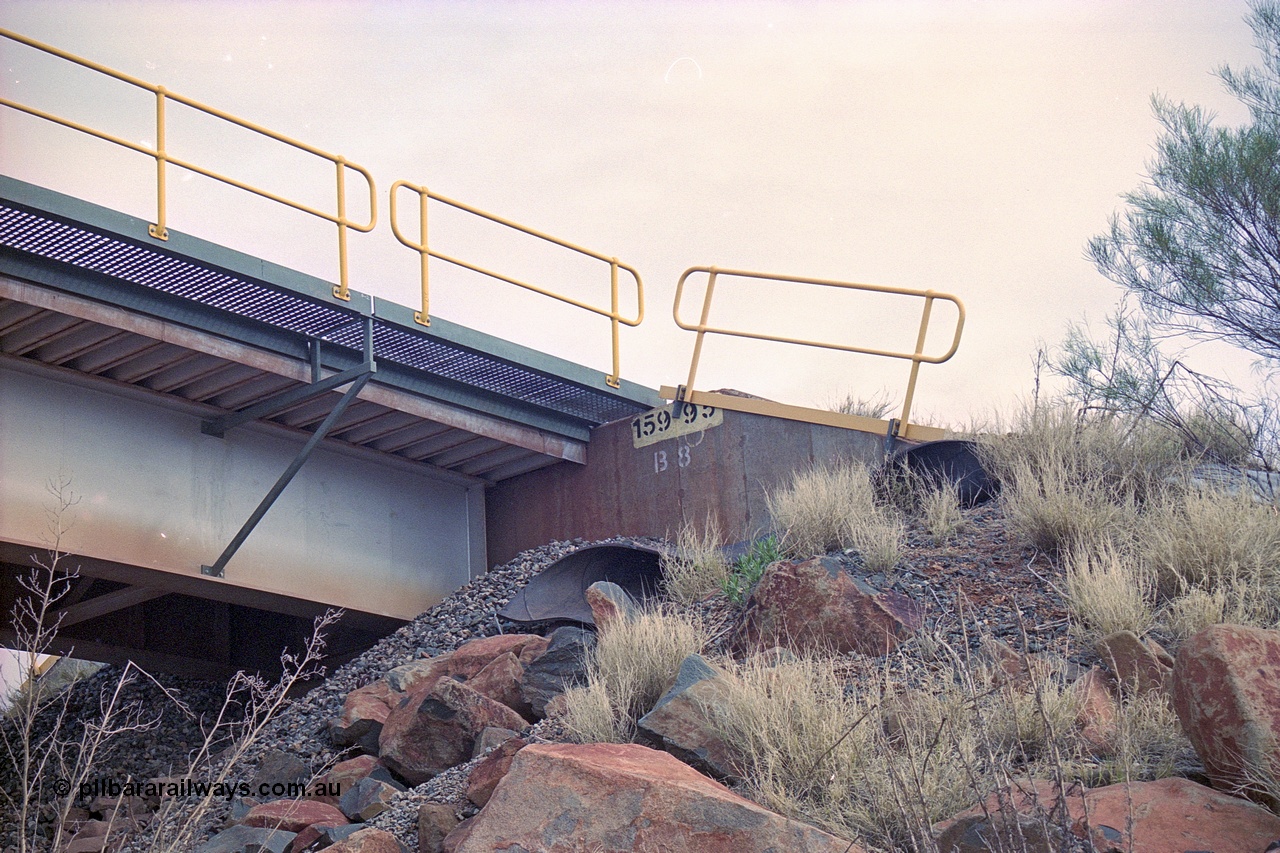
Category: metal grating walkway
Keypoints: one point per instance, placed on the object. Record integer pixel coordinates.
(474, 365)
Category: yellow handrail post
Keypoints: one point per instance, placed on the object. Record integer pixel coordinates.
(342, 291)
(614, 379)
(916, 357)
(160, 153)
(915, 360)
(424, 256)
(159, 229)
(425, 253)
(702, 328)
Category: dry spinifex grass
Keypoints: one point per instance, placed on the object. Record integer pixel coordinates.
(834, 507)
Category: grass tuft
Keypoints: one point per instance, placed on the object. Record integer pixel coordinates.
(834, 507)
(1200, 538)
(697, 567)
(940, 512)
(1071, 481)
(632, 665)
(1108, 592)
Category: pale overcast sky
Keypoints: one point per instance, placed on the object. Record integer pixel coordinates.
(970, 147)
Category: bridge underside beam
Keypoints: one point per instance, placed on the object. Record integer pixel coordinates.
(163, 629)
(72, 332)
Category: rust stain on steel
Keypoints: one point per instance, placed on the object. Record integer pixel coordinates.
(623, 490)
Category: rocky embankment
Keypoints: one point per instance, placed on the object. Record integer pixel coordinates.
(446, 735)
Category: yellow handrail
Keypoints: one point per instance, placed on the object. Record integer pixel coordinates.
(916, 358)
(424, 252)
(163, 157)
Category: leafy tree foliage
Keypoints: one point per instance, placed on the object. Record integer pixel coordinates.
(1198, 248)
(1199, 244)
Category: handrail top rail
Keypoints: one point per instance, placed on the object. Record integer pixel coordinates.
(510, 223)
(928, 294)
(162, 91)
(424, 192)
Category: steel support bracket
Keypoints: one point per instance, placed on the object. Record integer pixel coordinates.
(356, 377)
(220, 426)
(216, 570)
(891, 436)
(677, 405)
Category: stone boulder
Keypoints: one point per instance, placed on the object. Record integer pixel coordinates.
(435, 821)
(817, 605)
(609, 798)
(1018, 670)
(491, 737)
(486, 775)
(248, 839)
(609, 604)
(342, 776)
(435, 728)
(363, 713)
(1165, 816)
(474, 656)
(561, 666)
(466, 661)
(1140, 666)
(1226, 690)
(280, 774)
(1099, 713)
(368, 840)
(1176, 814)
(367, 799)
(293, 815)
(500, 681)
(683, 721)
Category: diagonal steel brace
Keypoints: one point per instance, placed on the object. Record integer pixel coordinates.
(216, 570)
(357, 376)
(219, 426)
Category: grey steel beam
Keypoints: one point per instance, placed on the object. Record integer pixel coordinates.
(217, 569)
(116, 228)
(218, 427)
(101, 605)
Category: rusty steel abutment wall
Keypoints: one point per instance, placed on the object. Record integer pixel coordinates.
(646, 479)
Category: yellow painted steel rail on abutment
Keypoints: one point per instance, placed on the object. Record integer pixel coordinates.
(898, 427)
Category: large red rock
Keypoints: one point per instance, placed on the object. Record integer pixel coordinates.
(683, 721)
(341, 777)
(1226, 690)
(1140, 666)
(1176, 814)
(610, 604)
(435, 821)
(1019, 670)
(436, 728)
(500, 681)
(1099, 713)
(293, 815)
(466, 661)
(368, 840)
(363, 712)
(486, 775)
(1165, 816)
(611, 798)
(817, 605)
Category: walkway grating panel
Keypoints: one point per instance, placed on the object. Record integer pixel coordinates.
(55, 240)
